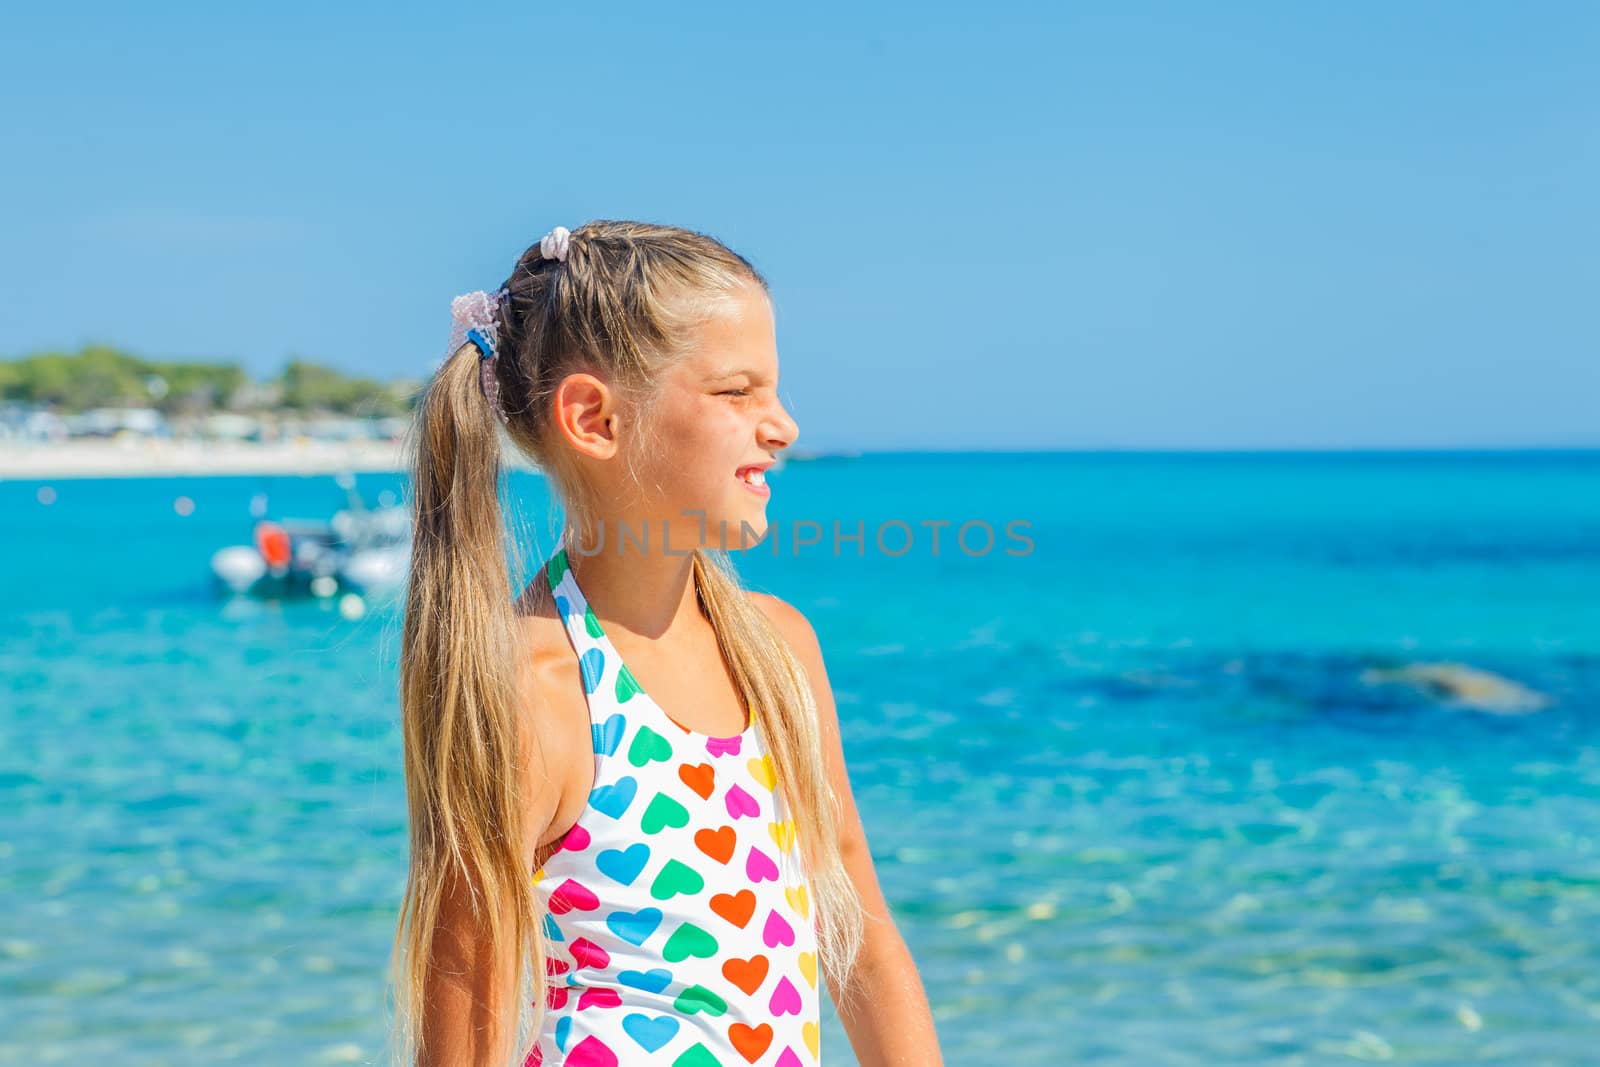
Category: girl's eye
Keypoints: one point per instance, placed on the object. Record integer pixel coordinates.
(734, 392)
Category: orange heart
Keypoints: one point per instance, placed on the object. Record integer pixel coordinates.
(699, 777)
(750, 1041)
(746, 974)
(736, 908)
(718, 844)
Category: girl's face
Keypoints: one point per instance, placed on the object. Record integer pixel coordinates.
(720, 424)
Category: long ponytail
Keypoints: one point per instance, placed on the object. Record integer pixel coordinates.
(459, 710)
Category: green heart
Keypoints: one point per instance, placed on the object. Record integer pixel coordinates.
(698, 998)
(558, 567)
(663, 811)
(591, 623)
(677, 877)
(696, 1056)
(689, 940)
(648, 745)
(627, 685)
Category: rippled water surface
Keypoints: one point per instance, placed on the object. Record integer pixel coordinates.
(1177, 786)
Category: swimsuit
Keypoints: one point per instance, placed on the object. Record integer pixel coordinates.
(680, 922)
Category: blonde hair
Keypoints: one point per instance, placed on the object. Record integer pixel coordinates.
(622, 306)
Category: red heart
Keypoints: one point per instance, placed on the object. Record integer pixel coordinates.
(699, 777)
(591, 1052)
(718, 844)
(750, 1041)
(599, 997)
(746, 974)
(569, 895)
(586, 953)
(736, 907)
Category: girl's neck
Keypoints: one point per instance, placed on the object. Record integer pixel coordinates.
(652, 596)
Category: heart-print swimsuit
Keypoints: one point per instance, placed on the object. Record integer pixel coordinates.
(680, 923)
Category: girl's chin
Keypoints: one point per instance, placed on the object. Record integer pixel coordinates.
(737, 532)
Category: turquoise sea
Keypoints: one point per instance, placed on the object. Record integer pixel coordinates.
(1157, 791)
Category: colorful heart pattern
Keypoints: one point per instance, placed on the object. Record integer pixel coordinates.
(679, 912)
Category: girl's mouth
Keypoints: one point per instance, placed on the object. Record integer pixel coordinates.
(754, 479)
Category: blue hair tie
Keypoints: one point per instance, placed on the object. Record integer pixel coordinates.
(485, 348)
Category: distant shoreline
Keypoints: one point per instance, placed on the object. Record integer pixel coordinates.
(136, 458)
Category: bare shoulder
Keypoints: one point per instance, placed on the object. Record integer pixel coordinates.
(792, 623)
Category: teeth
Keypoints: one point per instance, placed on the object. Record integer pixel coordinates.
(755, 477)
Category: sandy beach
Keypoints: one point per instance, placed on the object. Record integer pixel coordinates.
(135, 457)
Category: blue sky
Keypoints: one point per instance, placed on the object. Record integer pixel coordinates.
(986, 226)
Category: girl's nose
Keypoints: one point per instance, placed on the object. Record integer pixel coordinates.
(779, 428)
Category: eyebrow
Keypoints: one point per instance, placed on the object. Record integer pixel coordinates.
(730, 372)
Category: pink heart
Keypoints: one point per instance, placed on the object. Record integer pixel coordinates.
(785, 999)
(788, 1059)
(602, 997)
(759, 867)
(724, 746)
(741, 803)
(535, 1058)
(577, 839)
(591, 1052)
(777, 931)
(586, 953)
(569, 895)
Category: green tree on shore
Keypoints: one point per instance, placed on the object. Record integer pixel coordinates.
(103, 376)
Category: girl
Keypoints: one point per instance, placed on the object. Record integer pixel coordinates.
(629, 775)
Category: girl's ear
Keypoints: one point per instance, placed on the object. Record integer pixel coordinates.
(586, 415)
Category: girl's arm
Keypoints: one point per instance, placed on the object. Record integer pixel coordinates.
(470, 1000)
(893, 1026)
(466, 984)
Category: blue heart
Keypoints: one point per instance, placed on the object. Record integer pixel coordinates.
(563, 1031)
(634, 927)
(651, 981)
(593, 665)
(609, 736)
(552, 929)
(614, 799)
(623, 864)
(650, 1033)
(563, 606)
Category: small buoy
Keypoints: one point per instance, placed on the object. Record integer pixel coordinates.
(272, 541)
(183, 506)
(351, 606)
(46, 495)
(324, 585)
